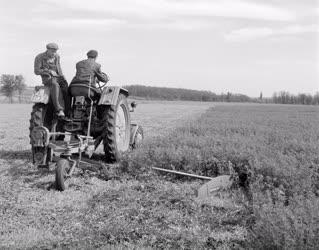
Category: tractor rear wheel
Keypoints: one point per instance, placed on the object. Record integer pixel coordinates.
(39, 117)
(116, 132)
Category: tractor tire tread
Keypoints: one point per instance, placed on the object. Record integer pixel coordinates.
(109, 137)
(36, 119)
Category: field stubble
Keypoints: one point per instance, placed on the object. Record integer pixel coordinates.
(33, 216)
(137, 208)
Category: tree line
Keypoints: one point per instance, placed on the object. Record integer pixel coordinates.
(285, 97)
(161, 93)
(11, 84)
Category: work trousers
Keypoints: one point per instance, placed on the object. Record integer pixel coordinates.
(59, 93)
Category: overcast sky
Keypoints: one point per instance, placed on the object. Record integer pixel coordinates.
(241, 46)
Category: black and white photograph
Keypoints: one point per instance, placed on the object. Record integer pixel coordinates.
(159, 124)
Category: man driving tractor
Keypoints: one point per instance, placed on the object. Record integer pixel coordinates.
(47, 65)
(89, 70)
(98, 115)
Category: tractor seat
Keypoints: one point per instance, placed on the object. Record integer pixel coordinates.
(82, 89)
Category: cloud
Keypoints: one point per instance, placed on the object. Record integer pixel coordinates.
(276, 62)
(253, 33)
(184, 15)
(246, 34)
(298, 29)
(82, 23)
(161, 9)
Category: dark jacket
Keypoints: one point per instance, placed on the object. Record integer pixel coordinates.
(89, 69)
(43, 64)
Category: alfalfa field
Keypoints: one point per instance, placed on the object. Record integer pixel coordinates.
(129, 205)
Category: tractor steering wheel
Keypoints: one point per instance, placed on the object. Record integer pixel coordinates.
(101, 87)
(98, 82)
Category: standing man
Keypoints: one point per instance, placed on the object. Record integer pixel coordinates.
(47, 65)
(89, 69)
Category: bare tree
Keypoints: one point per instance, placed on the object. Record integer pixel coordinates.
(8, 85)
(261, 96)
(228, 96)
(20, 85)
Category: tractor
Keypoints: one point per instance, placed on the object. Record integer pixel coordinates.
(96, 116)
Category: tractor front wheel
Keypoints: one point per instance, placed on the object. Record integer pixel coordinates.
(60, 174)
(138, 138)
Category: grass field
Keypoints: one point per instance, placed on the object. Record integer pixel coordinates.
(128, 205)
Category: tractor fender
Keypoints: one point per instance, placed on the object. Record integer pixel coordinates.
(110, 95)
(41, 94)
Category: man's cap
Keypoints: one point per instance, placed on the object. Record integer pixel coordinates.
(52, 46)
(92, 53)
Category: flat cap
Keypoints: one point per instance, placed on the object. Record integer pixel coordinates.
(92, 53)
(52, 46)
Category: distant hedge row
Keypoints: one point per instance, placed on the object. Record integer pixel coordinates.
(163, 93)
